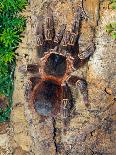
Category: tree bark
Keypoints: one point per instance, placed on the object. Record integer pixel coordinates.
(91, 130)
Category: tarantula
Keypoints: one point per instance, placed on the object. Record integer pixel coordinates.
(47, 91)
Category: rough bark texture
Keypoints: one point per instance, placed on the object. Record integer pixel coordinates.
(91, 131)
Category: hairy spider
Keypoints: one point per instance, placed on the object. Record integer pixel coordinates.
(47, 91)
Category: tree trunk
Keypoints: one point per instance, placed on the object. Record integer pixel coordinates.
(91, 130)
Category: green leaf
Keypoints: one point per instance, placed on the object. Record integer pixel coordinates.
(16, 23)
(109, 28)
(2, 119)
(114, 35)
(19, 23)
(112, 1)
(7, 57)
(113, 5)
(1, 110)
(113, 25)
(7, 112)
(9, 38)
(13, 5)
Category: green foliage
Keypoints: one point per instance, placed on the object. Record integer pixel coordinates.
(7, 57)
(10, 38)
(113, 4)
(16, 22)
(111, 28)
(5, 115)
(113, 1)
(11, 26)
(6, 88)
(6, 78)
(12, 6)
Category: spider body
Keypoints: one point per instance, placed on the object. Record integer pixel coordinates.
(48, 91)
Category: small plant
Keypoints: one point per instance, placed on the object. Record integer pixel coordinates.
(113, 4)
(7, 57)
(12, 6)
(11, 26)
(10, 38)
(111, 28)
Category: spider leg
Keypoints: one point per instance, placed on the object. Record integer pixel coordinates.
(29, 85)
(39, 32)
(64, 41)
(45, 33)
(67, 103)
(28, 89)
(87, 52)
(49, 25)
(70, 38)
(32, 68)
(75, 27)
(40, 39)
(82, 85)
(59, 34)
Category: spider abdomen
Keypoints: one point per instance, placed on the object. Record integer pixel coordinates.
(47, 97)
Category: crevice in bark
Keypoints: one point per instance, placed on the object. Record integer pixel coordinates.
(54, 135)
(98, 14)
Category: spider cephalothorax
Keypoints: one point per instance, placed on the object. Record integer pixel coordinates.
(47, 91)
